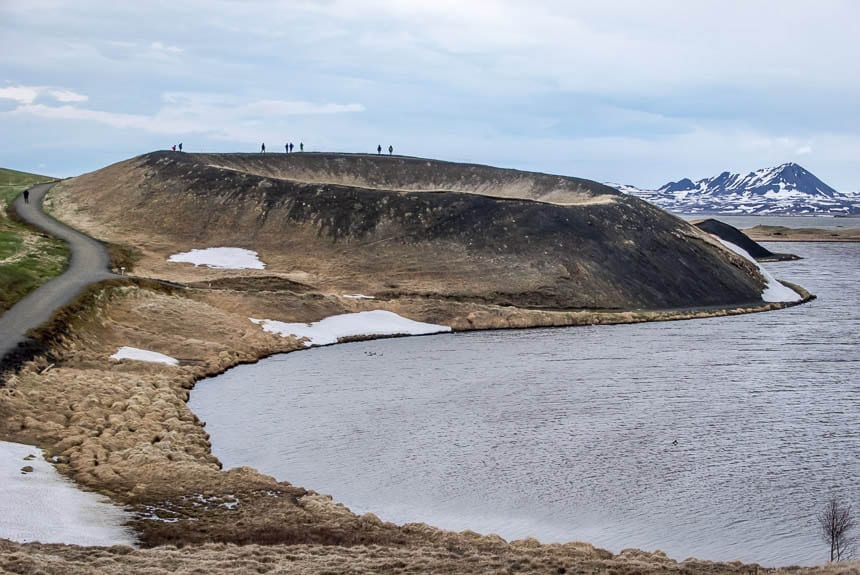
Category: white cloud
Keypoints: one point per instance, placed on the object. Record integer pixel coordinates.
(67, 96)
(219, 116)
(28, 94)
(22, 94)
(161, 47)
(803, 150)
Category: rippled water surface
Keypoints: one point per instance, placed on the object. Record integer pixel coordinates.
(567, 434)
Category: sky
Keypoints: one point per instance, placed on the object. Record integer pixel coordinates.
(623, 91)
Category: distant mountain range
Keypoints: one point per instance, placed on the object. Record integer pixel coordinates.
(788, 189)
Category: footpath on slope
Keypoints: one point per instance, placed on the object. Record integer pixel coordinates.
(89, 263)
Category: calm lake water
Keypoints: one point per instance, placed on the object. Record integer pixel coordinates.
(567, 434)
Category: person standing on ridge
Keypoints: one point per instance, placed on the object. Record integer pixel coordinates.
(291, 146)
(390, 150)
(180, 146)
(263, 148)
(379, 150)
(287, 148)
(174, 147)
(26, 196)
(301, 146)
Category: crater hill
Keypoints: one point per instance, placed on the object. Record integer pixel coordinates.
(407, 227)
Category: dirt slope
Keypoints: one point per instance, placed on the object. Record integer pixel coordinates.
(305, 216)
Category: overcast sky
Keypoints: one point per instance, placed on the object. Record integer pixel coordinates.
(620, 90)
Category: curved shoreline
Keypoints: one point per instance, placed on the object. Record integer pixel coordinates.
(126, 430)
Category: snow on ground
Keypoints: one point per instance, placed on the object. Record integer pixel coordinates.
(42, 505)
(365, 323)
(226, 258)
(143, 355)
(775, 291)
(358, 296)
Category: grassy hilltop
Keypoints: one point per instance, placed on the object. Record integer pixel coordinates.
(27, 258)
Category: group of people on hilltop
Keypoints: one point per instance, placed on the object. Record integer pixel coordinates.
(288, 147)
(379, 150)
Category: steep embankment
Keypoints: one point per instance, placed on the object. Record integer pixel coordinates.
(740, 239)
(382, 225)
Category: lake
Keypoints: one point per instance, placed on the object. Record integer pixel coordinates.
(569, 433)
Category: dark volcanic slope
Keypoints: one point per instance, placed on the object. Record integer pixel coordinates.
(735, 236)
(600, 249)
(740, 239)
(400, 173)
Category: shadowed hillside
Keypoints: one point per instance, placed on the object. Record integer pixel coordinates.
(403, 226)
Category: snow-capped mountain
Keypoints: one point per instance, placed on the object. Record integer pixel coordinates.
(787, 189)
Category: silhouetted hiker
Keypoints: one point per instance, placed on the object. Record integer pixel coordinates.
(390, 150)
(180, 146)
(174, 147)
(291, 146)
(26, 196)
(263, 148)
(301, 146)
(379, 149)
(287, 148)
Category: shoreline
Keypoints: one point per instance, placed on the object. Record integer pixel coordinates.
(164, 496)
(762, 233)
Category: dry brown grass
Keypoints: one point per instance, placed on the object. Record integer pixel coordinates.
(124, 428)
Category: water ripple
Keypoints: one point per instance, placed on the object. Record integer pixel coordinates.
(570, 433)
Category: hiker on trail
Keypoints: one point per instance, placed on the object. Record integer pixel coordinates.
(174, 147)
(390, 150)
(26, 196)
(379, 150)
(287, 147)
(291, 146)
(180, 146)
(263, 148)
(301, 146)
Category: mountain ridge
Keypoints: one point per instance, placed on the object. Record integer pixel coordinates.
(787, 189)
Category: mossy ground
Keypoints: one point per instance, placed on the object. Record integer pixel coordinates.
(28, 258)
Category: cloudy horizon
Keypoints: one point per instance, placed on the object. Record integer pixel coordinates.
(622, 91)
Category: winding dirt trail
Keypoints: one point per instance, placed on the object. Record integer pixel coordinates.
(89, 263)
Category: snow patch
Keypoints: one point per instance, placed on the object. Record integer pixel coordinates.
(774, 291)
(224, 258)
(358, 296)
(143, 355)
(366, 323)
(41, 505)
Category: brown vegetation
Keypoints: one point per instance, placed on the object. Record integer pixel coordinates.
(124, 428)
(783, 234)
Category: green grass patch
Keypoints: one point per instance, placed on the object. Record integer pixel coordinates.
(28, 258)
(13, 183)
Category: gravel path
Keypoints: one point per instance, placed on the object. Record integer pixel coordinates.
(89, 264)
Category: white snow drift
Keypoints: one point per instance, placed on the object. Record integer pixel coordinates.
(366, 323)
(143, 355)
(224, 258)
(41, 505)
(774, 291)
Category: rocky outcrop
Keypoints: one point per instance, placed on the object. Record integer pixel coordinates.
(732, 234)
